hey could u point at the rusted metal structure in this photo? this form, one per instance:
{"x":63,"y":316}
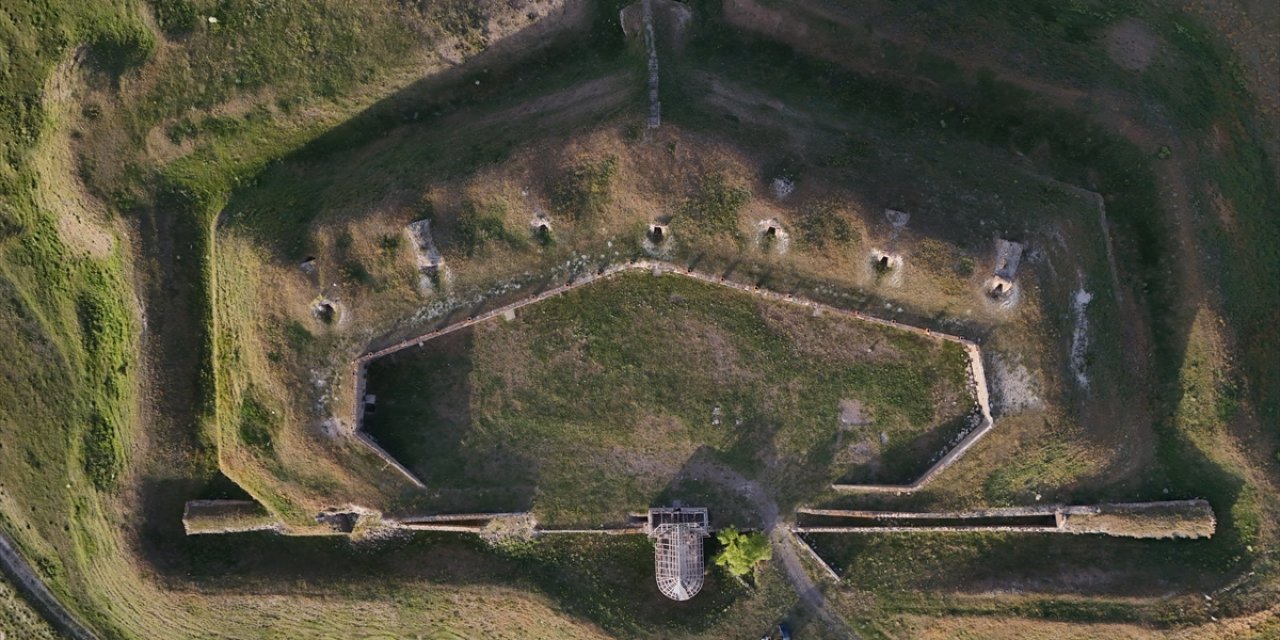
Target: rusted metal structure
{"x":677,"y":534}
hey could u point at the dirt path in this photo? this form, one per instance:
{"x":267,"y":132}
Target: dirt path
{"x":780,"y":538}
{"x":15,"y":567}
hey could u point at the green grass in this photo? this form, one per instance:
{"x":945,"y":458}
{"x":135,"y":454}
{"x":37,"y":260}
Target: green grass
{"x":331,"y":175}
{"x":18,"y":620}
{"x":65,"y":423}
{"x":620,"y":380}
{"x":609,"y":580}
{"x":584,"y":193}
{"x":480,"y":225}
{"x":69,"y":332}
{"x":37,"y":33}
{"x":714,"y":208}
{"x":70,"y":336}
{"x":947,"y":563}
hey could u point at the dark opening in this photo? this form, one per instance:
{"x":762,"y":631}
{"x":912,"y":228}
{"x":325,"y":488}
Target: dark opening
{"x":433,"y":275}
{"x":370,"y":408}
{"x":308,"y":258}
{"x":772,"y":232}
{"x":325,"y":312}
{"x":998,"y":290}
{"x":542,"y":233}
{"x":655,"y":234}
{"x":884,"y":262}
{"x":340,"y":522}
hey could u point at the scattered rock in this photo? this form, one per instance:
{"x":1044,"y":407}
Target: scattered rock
{"x":851,"y":413}
{"x":1131,"y":45}
{"x":782,"y":187}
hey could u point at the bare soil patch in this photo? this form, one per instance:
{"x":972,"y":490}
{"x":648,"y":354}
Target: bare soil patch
{"x":1131,"y":45}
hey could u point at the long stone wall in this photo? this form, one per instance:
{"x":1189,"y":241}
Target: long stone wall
{"x":651,"y":43}
{"x":1162,"y":519}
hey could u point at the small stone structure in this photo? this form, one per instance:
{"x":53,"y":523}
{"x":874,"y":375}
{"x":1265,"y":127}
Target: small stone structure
{"x":782,"y":187}
{"x":308,"y":267}
{"x":657,"y":240}
{"x":770,"y":236}
{"x":541,"y":227}
{"x":884,"y":261}
{"x":897,"y":219}
{"x":431,"y":268}
{"x":326,"y":311}
{"x":1008,"y":257}
{"x":201,"y":517}
{"x":677,"y":534}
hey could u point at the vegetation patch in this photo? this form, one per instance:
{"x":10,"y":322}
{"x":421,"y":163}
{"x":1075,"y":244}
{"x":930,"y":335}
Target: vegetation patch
{"x":741,"y":553}
{"x":714,"y":208}
{"x":257,"y":425}
{"x":584,"y":193}
{"x":479,"y":226}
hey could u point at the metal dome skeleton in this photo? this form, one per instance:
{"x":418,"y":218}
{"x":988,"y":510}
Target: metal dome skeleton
{"x":677,"y":534}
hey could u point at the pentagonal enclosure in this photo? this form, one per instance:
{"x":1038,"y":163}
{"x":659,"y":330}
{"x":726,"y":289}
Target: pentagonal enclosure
{"x":621,"y":393}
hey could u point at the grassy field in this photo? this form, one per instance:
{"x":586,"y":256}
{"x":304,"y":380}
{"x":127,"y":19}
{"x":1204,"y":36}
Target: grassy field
{"x":627,"y":380}
{"x":126,"y":126}
{"x":18,"y":619}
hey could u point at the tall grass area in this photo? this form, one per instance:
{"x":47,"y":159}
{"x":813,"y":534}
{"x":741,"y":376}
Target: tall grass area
{"x":18,"y":619}
{"x":39,"y":33}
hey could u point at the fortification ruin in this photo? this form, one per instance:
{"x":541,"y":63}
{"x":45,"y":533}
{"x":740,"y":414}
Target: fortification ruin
{"x":203,"y":517}
{"x":1188,"y":519}
{"x":432,"y":272}
{"x":1008,"y":256}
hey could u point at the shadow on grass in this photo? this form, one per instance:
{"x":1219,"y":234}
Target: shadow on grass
{"x":423,"y":417}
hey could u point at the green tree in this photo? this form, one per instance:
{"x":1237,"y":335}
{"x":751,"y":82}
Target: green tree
{"x":742,"y":551}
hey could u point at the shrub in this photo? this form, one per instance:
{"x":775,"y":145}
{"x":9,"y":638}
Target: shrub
{"x":477,"y":226}
{"x":389,"y":244}
{"x":355,"y":273}
{"x":742,"y":551}
{"x":716,"y":205}
{"x":119,"y":46}
{"x":585,"y":192}
{"x":175,"y":17}
{"x":257,"y":427}
{"x":823,"y":222}
{"x":297,"y":336}
{"x":101,"y":455}
{"x":344,"y":241}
